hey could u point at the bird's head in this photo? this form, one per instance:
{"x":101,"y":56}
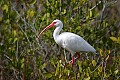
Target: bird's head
{"x":56,"y":23}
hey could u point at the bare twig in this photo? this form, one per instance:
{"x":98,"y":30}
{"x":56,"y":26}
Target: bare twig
{"x":34,"y":30}
{"x":101,"y":18}
{"x":20,"y":26}
{"x":94,"y":6}
{"x":97,"y":67}
{"x":8,"y":57}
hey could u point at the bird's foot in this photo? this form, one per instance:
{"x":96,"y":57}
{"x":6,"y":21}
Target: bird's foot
{"x":74,"y":59}
{"x":78,"y":56}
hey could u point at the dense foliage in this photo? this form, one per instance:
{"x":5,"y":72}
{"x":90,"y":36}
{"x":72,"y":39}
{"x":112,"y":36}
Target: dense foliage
{"x":22,"y":57}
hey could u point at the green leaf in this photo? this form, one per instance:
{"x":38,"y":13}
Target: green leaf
{"x":52,"y":62}
{"x":5,"y":8}
{"x":80,"y":66}
{"x":57,"y":71}
{"x":87,"y":78}
{"x":10,"y":40}
{"x":22,"y":62}
{"x":94,"y":63}
{"x":15,"y":39}
{"x":107,"y":58}
{"x":113,"y":38}
{"x":30,"y":13}
{"x":116,"y":71}
{"x":7,"y":21}
{"x":118,"y":40}
{"x":14,"y":33}
{"x":63,"y":11}
{"x":44,"y":65}
{"x":90,"y":13}
{"x":67,"y":71}
{"x":101,"y":52}
{"x":48,"y":75}
{"x":33,"y":2}
{"x":100,"y":69}
{"x":0,"y":18}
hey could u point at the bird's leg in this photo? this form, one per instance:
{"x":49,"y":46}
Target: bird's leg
{"x":78,"y":56}
{"x":87,"y":56}
{"x":65,"y":56}
{"x":73,"y":60}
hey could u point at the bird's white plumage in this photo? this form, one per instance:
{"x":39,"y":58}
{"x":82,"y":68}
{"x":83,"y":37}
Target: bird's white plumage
{"x":74,"y":43}
{"x":70,"y":41}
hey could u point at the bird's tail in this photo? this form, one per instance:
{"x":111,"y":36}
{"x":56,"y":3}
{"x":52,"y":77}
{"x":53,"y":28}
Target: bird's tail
{"x":96,"y":53}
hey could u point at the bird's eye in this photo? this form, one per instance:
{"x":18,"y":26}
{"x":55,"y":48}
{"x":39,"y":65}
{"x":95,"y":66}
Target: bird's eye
{"x":55,"y":22}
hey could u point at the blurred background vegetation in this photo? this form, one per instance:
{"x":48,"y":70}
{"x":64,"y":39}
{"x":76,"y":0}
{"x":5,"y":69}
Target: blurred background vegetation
{"x":24,"y":58}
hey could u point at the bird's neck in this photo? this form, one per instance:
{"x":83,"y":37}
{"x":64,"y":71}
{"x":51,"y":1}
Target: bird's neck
{"x":57,"y":33}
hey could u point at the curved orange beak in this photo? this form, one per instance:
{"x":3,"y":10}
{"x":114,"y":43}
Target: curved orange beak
{"x":49,"y":26}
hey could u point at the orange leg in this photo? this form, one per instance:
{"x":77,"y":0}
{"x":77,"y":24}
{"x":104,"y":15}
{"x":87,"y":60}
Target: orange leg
{"x":78,"y":56}
{"x":74,"y":59}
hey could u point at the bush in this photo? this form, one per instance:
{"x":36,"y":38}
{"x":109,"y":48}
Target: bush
{"x":23,"y":57}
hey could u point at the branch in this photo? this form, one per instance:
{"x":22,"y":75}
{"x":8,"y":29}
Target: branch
{"x":33,"y":29}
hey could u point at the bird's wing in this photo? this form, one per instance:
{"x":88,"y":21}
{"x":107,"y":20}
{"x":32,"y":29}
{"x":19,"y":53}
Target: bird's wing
{"x":74,"y":43}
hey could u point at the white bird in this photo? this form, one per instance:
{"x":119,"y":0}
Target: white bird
{"x":70,"y":41}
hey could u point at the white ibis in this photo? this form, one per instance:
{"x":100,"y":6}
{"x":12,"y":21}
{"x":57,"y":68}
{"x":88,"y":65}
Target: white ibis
{"x":70,"y":41}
